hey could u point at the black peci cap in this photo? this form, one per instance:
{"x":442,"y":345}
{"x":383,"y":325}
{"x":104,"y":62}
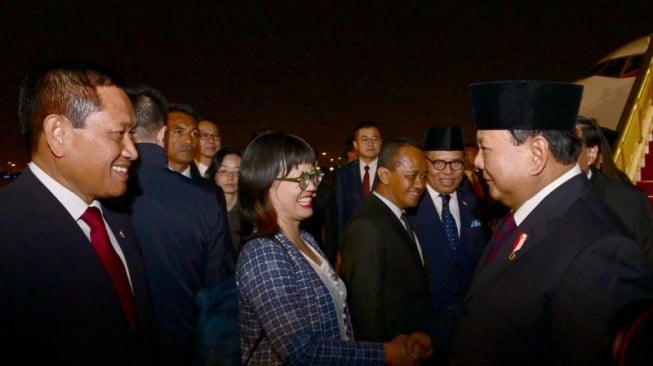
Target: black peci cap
{"x":525,"y":105}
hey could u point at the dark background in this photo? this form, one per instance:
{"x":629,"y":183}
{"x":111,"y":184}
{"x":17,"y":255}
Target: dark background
{"x":314,"y":68}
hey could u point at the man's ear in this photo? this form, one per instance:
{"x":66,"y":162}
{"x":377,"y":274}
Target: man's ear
{"x":540,"y":154}
{"x":55,"y":130}
{"x":161,"y":137}
{"x":383,"y":175}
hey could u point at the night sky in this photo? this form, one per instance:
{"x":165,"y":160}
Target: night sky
{"x":315,"y":68}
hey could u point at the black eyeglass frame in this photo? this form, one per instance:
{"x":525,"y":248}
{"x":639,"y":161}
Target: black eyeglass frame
{"x":305,"y":179}
{"x":443,"y":164}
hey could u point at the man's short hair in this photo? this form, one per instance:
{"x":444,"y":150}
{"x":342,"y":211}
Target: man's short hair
{"x":389,"y":156}
{"x":65,"y":87}
{"x":364,"y":124}
{"x":183,"y":108}
{"x":150,"y":107}
{"x":564,"y":145}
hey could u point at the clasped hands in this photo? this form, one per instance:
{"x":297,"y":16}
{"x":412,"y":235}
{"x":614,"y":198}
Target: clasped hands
{"x":408,"y":349}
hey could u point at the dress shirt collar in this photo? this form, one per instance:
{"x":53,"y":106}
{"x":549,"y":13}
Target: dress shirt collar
{"x":522,"y":212}
{"x":72,"y":202}
{"x":395,"y":209}
{"x":185,"y":173}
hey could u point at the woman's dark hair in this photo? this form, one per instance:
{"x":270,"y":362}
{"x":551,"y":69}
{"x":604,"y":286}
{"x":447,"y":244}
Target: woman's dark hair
{"x":266,"y":158}
{"x":219,"y":157}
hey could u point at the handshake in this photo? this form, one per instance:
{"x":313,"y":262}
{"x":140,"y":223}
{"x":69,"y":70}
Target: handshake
{"x":409,"y":349}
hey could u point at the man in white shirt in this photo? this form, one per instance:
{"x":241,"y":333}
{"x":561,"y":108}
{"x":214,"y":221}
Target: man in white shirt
{"x":210,"y":143}
{"x":558,"y":268}
{"x":73,"y":282}
{"x":181,"y":139}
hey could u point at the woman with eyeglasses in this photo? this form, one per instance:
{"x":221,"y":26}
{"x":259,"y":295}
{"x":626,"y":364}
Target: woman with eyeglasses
{"x":292,"y":304}
{"x":225,"y":171}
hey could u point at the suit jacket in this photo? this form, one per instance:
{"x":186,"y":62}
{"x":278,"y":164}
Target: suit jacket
{"x":346,"y":197}
{"x":551,"y":303}
{"x":182,"y":229}
{"x":58,"y":303}
{"x":449,"y":278}
{"x":631,"y":206}
{"x":388,"y":289}
{"x":284,"y":301}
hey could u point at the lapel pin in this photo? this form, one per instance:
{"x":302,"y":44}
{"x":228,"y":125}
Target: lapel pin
{"x":122,"y":235}
{"x":519,"y":242}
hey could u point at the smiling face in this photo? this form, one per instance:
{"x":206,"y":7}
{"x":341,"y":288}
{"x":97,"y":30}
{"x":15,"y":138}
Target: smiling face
{"x":290,"y":202}
{"x":404,"y":185}
{"x":505,"y":166}
{"x":97,"y":157}
{"x":447,"y":180}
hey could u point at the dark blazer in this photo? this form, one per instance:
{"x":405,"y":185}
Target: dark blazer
{"x":58,"y":303}
{"x":346,"y":196}
{"x":550,"y":305}
{"x":182,"y":229}
{"x":631,"y":206}
{"x":387,"y":285}
{"x":449,"y":279}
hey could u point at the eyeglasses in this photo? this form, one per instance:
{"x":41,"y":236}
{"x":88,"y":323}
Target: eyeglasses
{"x":305,"y":179}
{"x":225,"y":173}
{"x":370,"y":141}
{"x":441,"y":164}
{"x":208,"y":136}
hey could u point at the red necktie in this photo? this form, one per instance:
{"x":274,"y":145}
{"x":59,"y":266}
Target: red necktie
{"x":366,"y":181}
{"x":505,"y":229}
{"x":111,"y":262}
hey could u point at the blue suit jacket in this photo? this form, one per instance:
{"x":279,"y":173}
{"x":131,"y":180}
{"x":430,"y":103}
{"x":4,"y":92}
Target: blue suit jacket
{"x":282,"y":298}
{"x":182,"y":228}
{"x":449,"y":279}
{"x":346,"y":197}
{"x":58,"y":303}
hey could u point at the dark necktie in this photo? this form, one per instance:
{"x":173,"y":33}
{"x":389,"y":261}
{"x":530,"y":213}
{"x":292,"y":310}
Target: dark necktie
{"x":449,"y":223}
{"x":409,"y":228}
{"x":366,"y":181}
{"x":111,"y":262}
{"x":506,"y":228}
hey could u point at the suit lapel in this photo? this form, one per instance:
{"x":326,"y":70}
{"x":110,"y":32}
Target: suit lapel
{"x":398,"y":226}
{"x":535,"y":227}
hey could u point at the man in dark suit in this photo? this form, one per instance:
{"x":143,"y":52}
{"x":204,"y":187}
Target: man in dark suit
{"x":383,"y":262}
{"x":73,"y":283}
{"x":629,"y":204}
{"x":351,"y":184}
{"x":558,"y":268}
{"x":181,"y":140}
{"x":445,"y":221}
{"x":180,"y":224}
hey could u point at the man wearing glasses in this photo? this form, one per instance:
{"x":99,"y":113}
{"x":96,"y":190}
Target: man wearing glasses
{"x":445,"y":221}
{"x":210,"y":144}
{"x":352,"y":183}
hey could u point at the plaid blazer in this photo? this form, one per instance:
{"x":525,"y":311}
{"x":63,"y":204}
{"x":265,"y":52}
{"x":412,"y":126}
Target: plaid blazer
{"x":281,"y":297}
